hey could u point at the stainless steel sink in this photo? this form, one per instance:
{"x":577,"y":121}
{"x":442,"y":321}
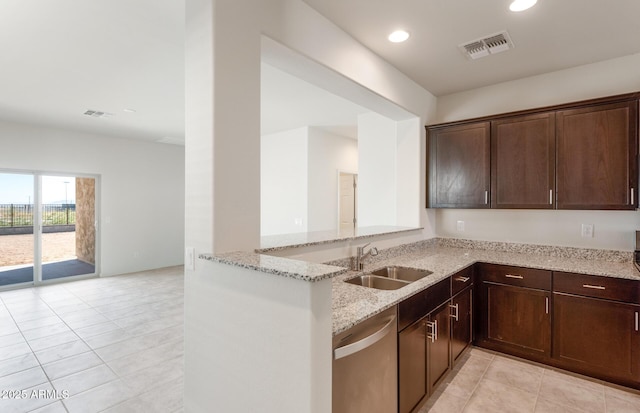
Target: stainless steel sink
{"x":401,"y":273}
{"x":377,"y":282}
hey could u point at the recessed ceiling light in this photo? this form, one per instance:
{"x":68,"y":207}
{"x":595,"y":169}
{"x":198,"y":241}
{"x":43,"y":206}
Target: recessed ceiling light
{"x":398,"y":36}
{"x":130,"y":110}
{"x":520,"y":5}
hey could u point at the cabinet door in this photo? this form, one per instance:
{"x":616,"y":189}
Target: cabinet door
{"x":438,"y":340}
{"x":412,"y":373}
{"x":596,"y":156}
{"x":523,"y":162}
{"x":461,"y":322}
{"x":597,"y":336}
{"x":460,"y":166}
{"x":518,"y":320}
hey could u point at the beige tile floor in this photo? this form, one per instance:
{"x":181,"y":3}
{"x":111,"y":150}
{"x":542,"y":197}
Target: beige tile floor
{"x":485,"y":381}
{"x":115,"y":345}
{"x":111,"y":344}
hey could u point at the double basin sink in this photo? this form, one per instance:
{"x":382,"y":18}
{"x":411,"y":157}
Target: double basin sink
{"x":389,"y":278}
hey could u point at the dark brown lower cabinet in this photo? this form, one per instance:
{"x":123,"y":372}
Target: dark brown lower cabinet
{"x":518,"y":318}
{"x":438,"y":341}
{"x":514,"y":311}
{"x":412,"y":365}
{"x":597,"y":337}
{"x":461,"y":323}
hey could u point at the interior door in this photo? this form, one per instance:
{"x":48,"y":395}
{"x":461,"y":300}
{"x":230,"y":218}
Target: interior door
{"x":347,"y":196}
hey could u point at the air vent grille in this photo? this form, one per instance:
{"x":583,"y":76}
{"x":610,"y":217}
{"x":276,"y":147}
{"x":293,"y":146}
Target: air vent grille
{"x":487,"y":45}
{"x":98,"y":114}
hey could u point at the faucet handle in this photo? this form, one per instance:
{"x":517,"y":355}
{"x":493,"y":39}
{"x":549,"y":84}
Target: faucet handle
{"x":374,"y":251}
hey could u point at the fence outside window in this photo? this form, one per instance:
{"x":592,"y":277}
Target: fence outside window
{"x":21,"y":215}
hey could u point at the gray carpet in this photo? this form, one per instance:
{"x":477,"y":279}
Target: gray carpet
{"x":49,"y":272}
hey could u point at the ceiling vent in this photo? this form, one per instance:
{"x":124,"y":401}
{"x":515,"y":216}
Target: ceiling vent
{"x":485,"y":46}
{"x":98,"y":114}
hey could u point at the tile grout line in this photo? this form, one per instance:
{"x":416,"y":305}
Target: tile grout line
{"x":33,"y":352}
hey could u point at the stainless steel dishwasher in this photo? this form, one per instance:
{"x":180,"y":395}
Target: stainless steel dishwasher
{"x":365,"y":366}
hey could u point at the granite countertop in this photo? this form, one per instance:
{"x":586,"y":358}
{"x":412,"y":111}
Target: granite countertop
{"x":353,"y":304}
{"x":285,"y":267}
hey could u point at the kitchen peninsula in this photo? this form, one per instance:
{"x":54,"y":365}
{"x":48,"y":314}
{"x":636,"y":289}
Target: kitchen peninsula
{"x":296,"y":307}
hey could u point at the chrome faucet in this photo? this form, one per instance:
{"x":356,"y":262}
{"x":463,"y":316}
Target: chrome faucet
{"x":361,"y":255}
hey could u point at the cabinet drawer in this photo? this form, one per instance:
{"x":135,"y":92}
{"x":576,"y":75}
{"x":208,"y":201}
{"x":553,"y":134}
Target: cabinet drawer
{"x":517,"y":276}
{"x":461,"y":280}
{"x":616,"y":289}
{"x":422,"y":303}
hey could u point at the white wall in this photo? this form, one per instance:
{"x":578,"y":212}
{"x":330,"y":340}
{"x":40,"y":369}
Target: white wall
{"x":328,"y":154}
{"x":409,"y":173}
{"x":256,"y":342}
{"x":610,"y":77}
{"x":377,"y":170}
{"x":141,"y":189}
{"x":612,"y":229}
{"x":284,"y":169}
{"x":223,"y":46}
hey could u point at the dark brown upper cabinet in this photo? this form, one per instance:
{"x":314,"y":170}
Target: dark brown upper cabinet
{"x":580,"y":155}
{"x":597,"y":157}
{"x":523,"y":162}
{"x":460,"y":166}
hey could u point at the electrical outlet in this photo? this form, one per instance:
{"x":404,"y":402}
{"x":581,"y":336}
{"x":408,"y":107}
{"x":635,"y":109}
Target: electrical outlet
{"x":190,"y":258}
{"x":587,"y":230}
{"x":460,"y":226}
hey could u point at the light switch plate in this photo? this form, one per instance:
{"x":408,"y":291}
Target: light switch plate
{"x":460,"y":226}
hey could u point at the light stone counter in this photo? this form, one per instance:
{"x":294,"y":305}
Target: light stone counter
{"x":285,"y":267}
{"x":353,"y":304}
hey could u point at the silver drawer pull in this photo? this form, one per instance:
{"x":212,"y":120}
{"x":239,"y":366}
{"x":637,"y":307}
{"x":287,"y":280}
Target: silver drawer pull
{"x":546,"y":305}
{"x":636,"y":321}
{"x":457,"y":309}
{"x":594,"y":287}
{"x":518,"y":277}
{"x":433,"y":325}
{"x":462,"y":279}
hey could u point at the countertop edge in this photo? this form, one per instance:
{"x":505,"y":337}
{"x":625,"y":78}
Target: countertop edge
{"x":285,"y":267}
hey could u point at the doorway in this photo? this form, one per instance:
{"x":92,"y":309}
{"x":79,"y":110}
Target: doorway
{"x":347,"y":201}
{"x":47,"y":227}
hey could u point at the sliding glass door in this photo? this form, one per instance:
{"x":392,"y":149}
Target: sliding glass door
{"x":62,"y":243}
{"x":17,"y":241}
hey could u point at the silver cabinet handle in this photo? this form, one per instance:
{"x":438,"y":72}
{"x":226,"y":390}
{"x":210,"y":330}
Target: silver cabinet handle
{"x":633,"y":198}
{"x":594,"y":287}
{"x":455,"y":307}
{"x":486,"y":197}
{"x":636,"y":321}
{"x":518,"y":277}
{"x":462,"y":279}
{"x":550,"y":196}
{"x":546,"y":305}
{"x":368,"y":341}
{"x":433,"y":325}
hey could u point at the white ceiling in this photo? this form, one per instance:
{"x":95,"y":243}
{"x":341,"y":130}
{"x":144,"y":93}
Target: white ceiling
{"x":553,"y":35}
{"x":60,"y":58}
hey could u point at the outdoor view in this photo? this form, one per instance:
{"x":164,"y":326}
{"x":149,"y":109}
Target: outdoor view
{"x":67,"y":235}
